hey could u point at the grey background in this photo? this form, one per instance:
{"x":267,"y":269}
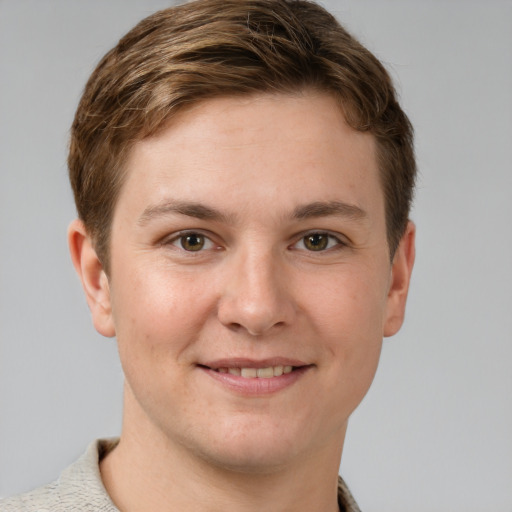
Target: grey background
{"x":435,"y":431}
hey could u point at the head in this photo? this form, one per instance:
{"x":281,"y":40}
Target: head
{"x":182,"y":56}
{"x":243,"y":175}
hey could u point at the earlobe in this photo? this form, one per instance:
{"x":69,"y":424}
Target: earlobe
{"x":94,"y":280}
{"x":403,"y":263}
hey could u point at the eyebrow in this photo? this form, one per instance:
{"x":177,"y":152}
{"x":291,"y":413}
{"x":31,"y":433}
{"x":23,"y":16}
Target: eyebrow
{"x":329,"y":208}
{"x":203,"y":212}
{"x":190,"y":209}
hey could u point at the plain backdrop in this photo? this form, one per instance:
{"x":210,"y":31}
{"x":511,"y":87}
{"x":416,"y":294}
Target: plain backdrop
{"x":435,"y":431}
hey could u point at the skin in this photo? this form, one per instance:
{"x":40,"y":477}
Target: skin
{"x":271,"y":171}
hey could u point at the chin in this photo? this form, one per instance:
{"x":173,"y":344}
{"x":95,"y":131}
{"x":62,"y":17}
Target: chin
{"x":251,"y":448}
{"x":248,"y":458}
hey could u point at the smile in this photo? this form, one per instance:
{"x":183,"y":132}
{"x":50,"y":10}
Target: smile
{"x":256,"y":378}
{"x":257,"y":373}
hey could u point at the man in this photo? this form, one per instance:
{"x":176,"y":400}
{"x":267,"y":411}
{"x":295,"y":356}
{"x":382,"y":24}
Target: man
{"x":243,"y":176}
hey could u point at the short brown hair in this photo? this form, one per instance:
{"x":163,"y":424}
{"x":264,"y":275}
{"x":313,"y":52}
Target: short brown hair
{"x":209,"y":48}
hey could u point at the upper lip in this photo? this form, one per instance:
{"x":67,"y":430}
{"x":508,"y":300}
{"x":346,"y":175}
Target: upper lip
{"x":252,"y":363}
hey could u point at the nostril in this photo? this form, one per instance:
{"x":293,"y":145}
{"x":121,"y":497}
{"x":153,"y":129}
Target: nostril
{"x":252,"y":330}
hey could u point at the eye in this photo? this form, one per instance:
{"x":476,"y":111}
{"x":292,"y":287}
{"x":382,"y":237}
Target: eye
{"x":192,"y":242}
{"x":318,"y":242}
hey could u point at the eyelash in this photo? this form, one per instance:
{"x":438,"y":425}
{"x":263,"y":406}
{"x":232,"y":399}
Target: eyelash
{"x":332,"y":242}
{"x":179,"y":239}
{"x":330,"y":238}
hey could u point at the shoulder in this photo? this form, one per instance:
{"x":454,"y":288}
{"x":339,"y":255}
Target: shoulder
{"x":38,"y":500}
{"x":79,"y":488}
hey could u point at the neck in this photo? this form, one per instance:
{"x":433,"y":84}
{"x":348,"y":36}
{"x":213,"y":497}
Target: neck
{"x":168,"y":477}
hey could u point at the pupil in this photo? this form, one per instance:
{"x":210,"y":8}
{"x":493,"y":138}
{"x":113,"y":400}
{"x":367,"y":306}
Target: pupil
{"x":192,"y":242}
{"x":316,"y":242}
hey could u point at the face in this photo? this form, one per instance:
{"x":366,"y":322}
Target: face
{"x":250,"y":283}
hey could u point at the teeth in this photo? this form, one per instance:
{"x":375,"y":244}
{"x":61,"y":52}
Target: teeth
{"x":265,"y":373}
{"x":249,"y":373}
{"x":261,"y":373}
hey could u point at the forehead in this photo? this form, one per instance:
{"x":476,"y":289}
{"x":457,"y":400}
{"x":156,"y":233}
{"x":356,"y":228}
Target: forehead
{"x":288,"y":149}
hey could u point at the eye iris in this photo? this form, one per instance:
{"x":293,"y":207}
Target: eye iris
{"x":192,"y":242}
{"x":316,"y":242}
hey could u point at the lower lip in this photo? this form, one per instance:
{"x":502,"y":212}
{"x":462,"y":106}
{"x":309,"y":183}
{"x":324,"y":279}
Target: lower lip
{"x":257,"y":386}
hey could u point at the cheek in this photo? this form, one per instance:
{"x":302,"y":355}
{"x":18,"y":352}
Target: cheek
{"x":157,"y":314}
{"x":156,"y":325}
{"x":350,"y":305}
{"x":349,"y":317}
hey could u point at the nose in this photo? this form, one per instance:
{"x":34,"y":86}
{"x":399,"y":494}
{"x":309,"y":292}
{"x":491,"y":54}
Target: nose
{"x":256,"y":296}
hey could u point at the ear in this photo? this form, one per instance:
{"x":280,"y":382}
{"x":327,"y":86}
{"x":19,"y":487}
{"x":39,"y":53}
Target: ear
{"x":401,"y":269}
{"x":94,"y":280}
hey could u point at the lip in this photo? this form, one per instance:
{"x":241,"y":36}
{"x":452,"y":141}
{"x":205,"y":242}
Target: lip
{"x":255,"y":386}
